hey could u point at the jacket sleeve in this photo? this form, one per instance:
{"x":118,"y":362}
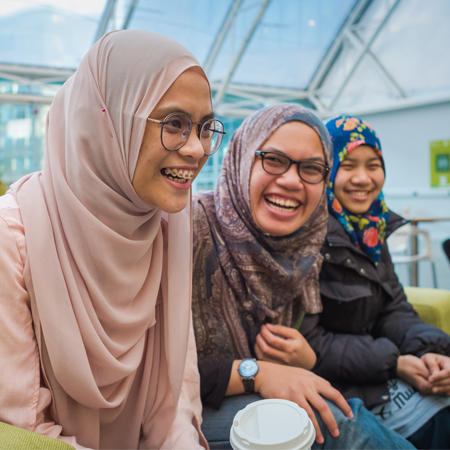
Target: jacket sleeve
{"x":344,"y":357}
{"x":214,"y":378}
{"x":24,"y":402}
{"x":403,"y":326}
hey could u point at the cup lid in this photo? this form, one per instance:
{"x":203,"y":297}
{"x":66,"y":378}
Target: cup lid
{"x":272,"y":424}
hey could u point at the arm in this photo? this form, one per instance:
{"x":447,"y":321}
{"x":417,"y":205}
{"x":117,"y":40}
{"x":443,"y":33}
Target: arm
{"x":185,"y":430}
{"x":23,"y":401}
{"x":347,"y":357}
{"x":214,"y":377}
{"x":297,"y":385}
{"x":402,"y":325}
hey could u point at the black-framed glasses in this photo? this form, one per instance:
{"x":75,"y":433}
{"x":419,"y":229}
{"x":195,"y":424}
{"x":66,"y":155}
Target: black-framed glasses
{"x":311,"y":172}
{"x":176,"y":129}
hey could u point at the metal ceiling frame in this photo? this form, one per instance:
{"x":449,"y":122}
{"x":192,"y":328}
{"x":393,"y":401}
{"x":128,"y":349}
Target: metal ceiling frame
{"x":32,"y":76}
{"x":221,"y":91}
{"x":246,"y":98}
{"x":333,"y":52}
{"x":108,"y":13}
{"x":220,"y":37}
{"x":362,"y":53}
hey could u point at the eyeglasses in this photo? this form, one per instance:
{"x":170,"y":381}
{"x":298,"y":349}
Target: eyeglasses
{"x":176,"y":129}
{"x":309,"y":171}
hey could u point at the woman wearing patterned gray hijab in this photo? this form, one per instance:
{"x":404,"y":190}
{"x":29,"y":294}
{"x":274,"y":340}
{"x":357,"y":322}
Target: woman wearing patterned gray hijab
{"x":257,"y":241}
{"x":269,"y":279}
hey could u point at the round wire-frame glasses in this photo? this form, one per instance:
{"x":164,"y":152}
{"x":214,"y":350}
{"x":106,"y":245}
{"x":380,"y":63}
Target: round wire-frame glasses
{"x":311,"y":172}
{"x":176,"y":129}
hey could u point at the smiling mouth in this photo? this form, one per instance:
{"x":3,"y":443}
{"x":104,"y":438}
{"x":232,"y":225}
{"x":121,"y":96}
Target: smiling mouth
{"x":178,"y":175}
{"x":358,"y":193}
{"x":283,"y":205}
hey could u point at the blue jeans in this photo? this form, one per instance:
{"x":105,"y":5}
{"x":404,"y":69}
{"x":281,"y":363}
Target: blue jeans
{"x":362,"y":432}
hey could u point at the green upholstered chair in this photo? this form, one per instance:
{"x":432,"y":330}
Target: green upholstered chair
{"x":14,"y":438}
{"x":432,"y":305}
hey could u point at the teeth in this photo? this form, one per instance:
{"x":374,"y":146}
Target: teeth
{"x":184,"y":174}
{"x":285,"y":203}
{"x":279,"y":208}
{"x":178,"y":180}
{"x":359,"y":193}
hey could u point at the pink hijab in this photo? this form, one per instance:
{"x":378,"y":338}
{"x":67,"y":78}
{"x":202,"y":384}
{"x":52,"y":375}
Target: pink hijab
{"x":108,"y":274}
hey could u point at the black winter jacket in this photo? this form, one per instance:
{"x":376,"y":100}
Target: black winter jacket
{"x":366,"y":323}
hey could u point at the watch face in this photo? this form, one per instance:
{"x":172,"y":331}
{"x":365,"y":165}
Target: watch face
{"x":248,"y":368}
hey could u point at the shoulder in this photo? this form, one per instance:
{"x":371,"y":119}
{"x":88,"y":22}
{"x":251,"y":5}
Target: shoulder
{"x":203,"y":208}
{"x":11,"y":224}
{"x":336,"y":233}
{"x":202,"y":200}
{"x":395,"y":221}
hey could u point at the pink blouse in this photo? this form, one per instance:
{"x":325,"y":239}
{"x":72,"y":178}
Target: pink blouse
{"x":24,"y":400}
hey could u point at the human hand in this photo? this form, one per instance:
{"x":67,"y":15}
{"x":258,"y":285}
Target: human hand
{"x":413,"y":370}
{"x":439,"y":368}
{"x":284,"y":345}
{"x":304,"y":388}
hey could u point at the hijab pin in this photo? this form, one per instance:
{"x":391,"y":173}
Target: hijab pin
{"x":103,"y":109}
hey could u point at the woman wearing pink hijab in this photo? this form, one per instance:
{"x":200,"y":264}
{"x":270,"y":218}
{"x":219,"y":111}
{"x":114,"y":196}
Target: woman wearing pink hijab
{"x":96,"y":346}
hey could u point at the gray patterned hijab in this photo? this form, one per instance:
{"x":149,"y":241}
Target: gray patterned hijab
{"x":243,"y":277}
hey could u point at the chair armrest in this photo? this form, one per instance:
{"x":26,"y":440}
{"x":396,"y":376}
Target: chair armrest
{"x":432,"y":305}
{"x":15,"y":438}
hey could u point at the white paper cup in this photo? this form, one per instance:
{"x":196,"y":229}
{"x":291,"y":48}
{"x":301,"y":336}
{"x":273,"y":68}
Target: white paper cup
{"x":272,"y":424}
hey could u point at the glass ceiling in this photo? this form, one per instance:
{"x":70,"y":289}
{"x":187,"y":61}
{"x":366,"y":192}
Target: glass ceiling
{"x":289,"y":42}
{"x":334,"y":56}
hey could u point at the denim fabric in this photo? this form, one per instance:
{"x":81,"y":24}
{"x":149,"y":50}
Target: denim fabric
{"x":363,"y":432}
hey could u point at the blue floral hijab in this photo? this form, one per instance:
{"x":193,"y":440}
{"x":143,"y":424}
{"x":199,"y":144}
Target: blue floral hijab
{"x":367,"y":231}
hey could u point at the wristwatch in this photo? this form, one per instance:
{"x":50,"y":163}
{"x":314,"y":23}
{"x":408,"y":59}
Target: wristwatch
{"x":248,"y":369}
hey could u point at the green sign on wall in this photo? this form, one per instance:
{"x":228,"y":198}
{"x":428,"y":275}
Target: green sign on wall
{"x":440,"y":163}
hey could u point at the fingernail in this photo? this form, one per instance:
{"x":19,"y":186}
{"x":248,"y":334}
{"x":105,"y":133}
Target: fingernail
{"x":320,"y":439}
{"x":351,"y":415}
{"x":335,"y":433}
{"x":435,"y":390}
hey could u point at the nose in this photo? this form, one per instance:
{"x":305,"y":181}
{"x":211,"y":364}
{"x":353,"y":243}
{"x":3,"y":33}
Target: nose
{"x":193,"y":147}
{"x":360,"y":176}
{"x":290,"y":179}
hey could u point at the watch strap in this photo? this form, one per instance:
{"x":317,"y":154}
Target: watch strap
{"x":249,"y":384}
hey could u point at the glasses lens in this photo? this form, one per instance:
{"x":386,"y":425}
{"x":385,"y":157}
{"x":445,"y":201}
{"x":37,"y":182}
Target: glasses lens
{"x":312,"y":172}
{"x":275,"y":164}
{"x":176,"y":131}
{"x":211,"y":136}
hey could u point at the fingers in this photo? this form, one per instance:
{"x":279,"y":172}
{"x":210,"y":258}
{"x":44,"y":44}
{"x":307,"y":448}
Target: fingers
{"x":335,"y":396}
{"x":431,"y":362}
{"x":423,"y":385}
{"x":325,"y":413}
{"x":265,"y":353}
{"x":444,"y":391}
{"x":285,"y":332}
{"x":305,"y":405}
{"x":440,"y":378}
{"x":272,"y":340}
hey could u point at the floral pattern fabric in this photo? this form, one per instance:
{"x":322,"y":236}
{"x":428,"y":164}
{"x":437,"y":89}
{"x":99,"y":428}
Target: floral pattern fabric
{"x":367,"y":231}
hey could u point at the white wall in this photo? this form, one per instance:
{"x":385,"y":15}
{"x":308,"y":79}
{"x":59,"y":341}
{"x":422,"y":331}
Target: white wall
{"x":405,"y":138}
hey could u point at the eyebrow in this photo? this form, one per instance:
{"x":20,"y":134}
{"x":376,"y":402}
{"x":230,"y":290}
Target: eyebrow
{"x":164,"y":112}
{"x":274,"y":150}
{"x":375,"y":158}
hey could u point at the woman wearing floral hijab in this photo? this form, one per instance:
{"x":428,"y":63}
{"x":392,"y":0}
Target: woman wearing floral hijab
{"x":369,"y":341}
{"x":257,"y":241}
{"x":96,"y":346}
